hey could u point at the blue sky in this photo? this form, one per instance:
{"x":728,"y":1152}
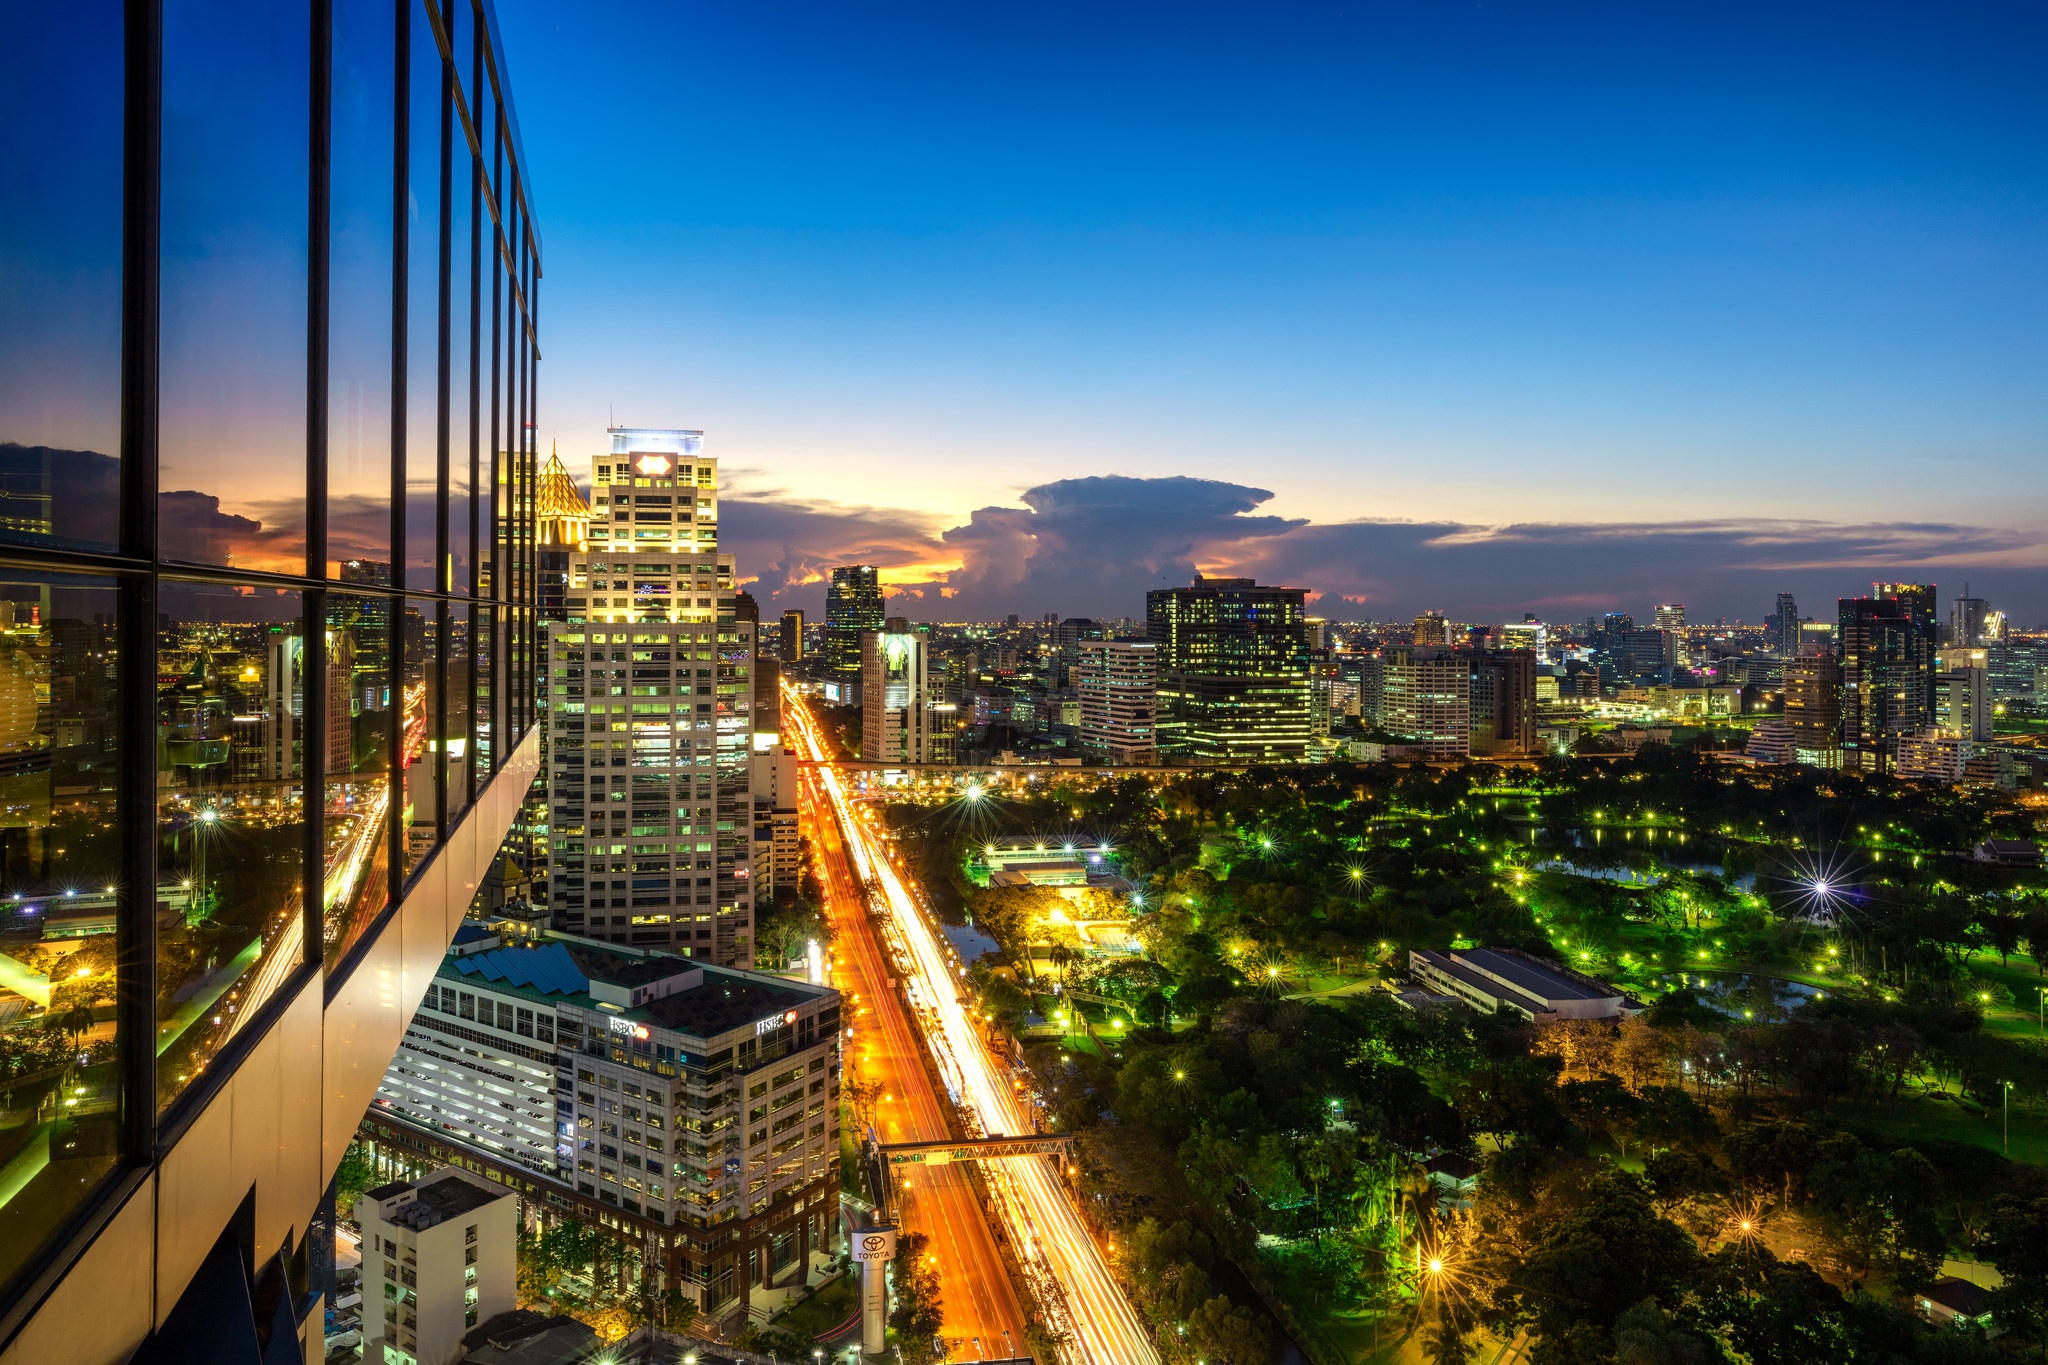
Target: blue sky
{"x":1678,"y":269}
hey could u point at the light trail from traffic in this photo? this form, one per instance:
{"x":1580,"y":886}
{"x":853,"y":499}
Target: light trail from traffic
{"x":1042,"y":1221}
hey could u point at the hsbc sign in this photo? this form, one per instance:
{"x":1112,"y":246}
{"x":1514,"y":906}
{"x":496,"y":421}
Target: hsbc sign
{"x":774,"y":1022}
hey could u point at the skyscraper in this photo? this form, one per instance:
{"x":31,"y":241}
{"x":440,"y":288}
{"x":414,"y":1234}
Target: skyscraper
{"x":1967,"y":617}
{"x":1233,"y":671}
{"x":1431,"y":628}
{"x":1119,"y":686}
{"x":790,"y":641}
{"x":251,"y":251}
{"x":1503,"y":711}
{"x":1785,"y":626}
{"x":1670,"y":616}
{"x":853,"y":607}
{"x":1813,"y":708}
{"x":650,"y":737}
{"x":896,"y":705}
{"x":1427,"y":699}
{"x":1887,"y":651}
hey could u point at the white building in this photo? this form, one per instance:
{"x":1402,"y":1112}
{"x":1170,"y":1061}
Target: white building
{"x":778,"y":828}
{"x":896,"y":698}
{"x":1119,"y":686}
{"x":1427,"y":698}
{"x":1962,"y":699}
{"x":657,"y":492}
{"x":1933,"y":756}
{"x":443,"y":1250}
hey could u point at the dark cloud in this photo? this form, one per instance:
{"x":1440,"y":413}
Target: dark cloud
{"x":791,"y":547}
{"x":1093,"y":546}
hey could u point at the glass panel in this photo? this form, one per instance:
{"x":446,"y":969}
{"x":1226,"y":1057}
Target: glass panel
{"x":490,"y":376}
{"x":461,"y":381}
{"x":359,"y":296}
{"x":60,"y":862}
{"x":426,"y":174}
{"x":358,"y":824}
{"x":482,"y":652}
{"x":419,"y":630}
{"x":462,"y":45}
{"x":60,"y":276}
{"x":233,"y":334}
{"x":456,"y":710}
{"x":230,"y":813}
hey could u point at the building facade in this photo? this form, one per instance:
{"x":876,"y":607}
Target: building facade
{"x":1427,"y":699}
{"x":1119,"y":686}
{"x":789,"y":641}
{"x":1233,"y":671}
{"x":1887,"y":645}
{"x":268,"y":376}
{"x":1813,"y":708}
{"x":896,"y":700}
{"x":853,"y":607}
{"x":694,"y":1109}
{"x":442,"y":1250}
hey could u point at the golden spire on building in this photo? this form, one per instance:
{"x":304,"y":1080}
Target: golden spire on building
{"x":563,"y":515}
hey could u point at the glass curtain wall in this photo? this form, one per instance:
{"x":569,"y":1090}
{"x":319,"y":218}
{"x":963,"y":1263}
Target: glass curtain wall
{"x":267,"y":362}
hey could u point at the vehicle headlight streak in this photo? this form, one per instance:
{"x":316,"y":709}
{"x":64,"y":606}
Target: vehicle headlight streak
{"x":1043,"y":1224}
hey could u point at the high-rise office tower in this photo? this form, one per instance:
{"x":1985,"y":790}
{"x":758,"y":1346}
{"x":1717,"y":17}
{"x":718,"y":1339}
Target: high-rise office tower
{"x":1967,"y":616}
{"x":853,"y":607}
{"x":1670,"y":616}
{"x":1431,"y":628}
{"x":562,"y":528}
{"x":1119,"y":685}
{"x":1503,"y":709}
{"x":1530,"y":634}
{"x":1785,"y":626}
{"x":1962,"y":693}
{"x":790,"y":640}
{"x":1887,"y":652}
{"x":896,"y":703}
{"x":251,"y":250}
{"x":1428,"y":699}
{"x":651,"y":729}
{"x":1813,"y":708}
{"x":1233,"y":671}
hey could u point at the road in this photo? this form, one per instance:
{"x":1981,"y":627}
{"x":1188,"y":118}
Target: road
{"x":1032,"y":1203}
{"x":983,"y":1320}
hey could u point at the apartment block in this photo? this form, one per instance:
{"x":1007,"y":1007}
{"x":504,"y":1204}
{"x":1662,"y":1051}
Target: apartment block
{"x":1119,"y":700}
{"x":442,"y":1249}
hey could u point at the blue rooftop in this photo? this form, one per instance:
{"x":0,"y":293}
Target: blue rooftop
{"x":550,"y":970}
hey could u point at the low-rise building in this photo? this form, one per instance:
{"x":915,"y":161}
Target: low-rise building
{"x":1490,"y":979}
{"x":444,"y":1251}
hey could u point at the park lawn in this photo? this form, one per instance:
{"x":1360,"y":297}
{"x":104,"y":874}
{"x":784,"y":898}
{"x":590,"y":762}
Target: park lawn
{"x":830,"y":1306}
{"x":1916,"y":1117}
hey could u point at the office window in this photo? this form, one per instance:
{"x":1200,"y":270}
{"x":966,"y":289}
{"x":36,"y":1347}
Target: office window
{"x":420,"y":812}
{"x":230,"y":813}
{"x":360,"y":733}
{"x":60,"y":277}
{"x":232,"y":367}
{"x":427,"y":148}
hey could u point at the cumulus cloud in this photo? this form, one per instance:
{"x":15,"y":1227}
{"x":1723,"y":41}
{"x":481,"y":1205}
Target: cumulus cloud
{"x":1093,"y":546}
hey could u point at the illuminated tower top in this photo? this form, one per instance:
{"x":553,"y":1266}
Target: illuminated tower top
{"x":657,"y":492}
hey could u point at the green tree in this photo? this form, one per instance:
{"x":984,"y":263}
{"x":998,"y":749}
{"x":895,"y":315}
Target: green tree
{"x":919,"y":1311}
{"x":351,"y":1178}
{"x":1599,"y":1258}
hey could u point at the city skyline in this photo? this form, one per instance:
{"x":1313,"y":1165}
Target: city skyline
{"x":1636,"y":277}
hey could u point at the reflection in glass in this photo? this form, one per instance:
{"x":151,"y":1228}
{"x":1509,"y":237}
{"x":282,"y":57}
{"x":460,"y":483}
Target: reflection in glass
{"x":461,"y":391}
{"x":233,"y":333}
{"x":482,"y":644}
{"x":357,"y":828}
{"x":455,"y":710}
{"x":60,"y":868}
{"x":60,"y":276}
{"x":419,"y":631}
{"x":359,"y":294}
{"x":231,"y":727}
{"x":425,"y":177}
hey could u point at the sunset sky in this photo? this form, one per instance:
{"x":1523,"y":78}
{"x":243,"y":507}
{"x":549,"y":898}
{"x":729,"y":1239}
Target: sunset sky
{"x":1490,"y":308}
